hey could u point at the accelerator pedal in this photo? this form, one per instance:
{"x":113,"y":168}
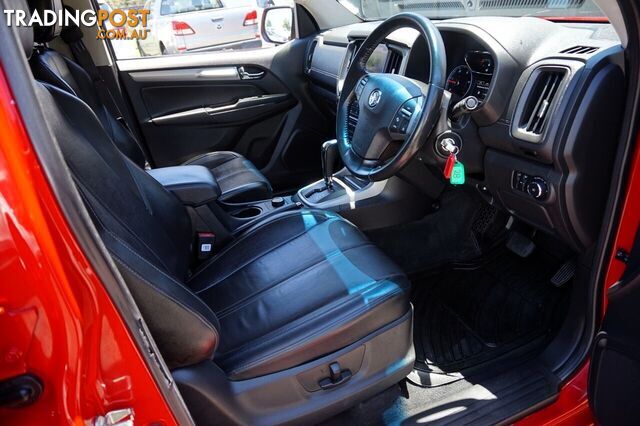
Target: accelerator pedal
{"x":565,"y":274}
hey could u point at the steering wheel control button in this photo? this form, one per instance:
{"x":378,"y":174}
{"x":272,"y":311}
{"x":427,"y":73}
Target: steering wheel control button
{"x":402,"y":119}
{"x":395,"y":125}
{"x":361,"y":86}
{"x":535,"y":186}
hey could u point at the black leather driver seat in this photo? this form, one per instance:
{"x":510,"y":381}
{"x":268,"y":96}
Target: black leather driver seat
{"x":258,"y":331}
{"x":238,"y":178}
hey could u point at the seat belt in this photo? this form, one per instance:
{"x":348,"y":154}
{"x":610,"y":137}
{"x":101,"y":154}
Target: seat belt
{"x":72,"y":36}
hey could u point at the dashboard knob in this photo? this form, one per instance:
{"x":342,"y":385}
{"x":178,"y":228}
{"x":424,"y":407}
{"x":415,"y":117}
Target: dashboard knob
{"x":538,"y":188}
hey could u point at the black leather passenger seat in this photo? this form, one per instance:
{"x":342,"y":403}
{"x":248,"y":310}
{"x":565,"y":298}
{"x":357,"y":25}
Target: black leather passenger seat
{"x":336,"y":285}
{"x":239,"y":179}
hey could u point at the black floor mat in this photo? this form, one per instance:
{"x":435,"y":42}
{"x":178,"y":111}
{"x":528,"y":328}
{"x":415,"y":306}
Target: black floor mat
{"x":467,"y":317}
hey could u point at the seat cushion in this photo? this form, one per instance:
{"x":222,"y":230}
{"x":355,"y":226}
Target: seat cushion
{"x":239,"y":180}
{"x":296,"y":287}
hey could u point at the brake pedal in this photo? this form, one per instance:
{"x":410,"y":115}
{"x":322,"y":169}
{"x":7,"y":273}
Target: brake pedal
{"x":565,"y":274}
{"x":520,"y":245}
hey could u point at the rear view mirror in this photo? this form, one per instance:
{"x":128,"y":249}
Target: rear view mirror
{"x":278,"y":24}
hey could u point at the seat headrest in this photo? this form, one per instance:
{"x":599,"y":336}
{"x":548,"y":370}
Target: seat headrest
{"x":46,"y":33}
{"x":24,"y":33}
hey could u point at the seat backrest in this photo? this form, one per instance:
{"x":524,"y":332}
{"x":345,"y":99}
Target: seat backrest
{"x":58,"y":70}
{"x":145,"y":228}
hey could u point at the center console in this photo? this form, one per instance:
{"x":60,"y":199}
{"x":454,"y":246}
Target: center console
{"x":369,"y":205}
{"x":198,"y":191}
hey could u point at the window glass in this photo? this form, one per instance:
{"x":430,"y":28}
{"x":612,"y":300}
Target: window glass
{"x":442,"y":9}
{"x":177,"y":27}
{"x":168,"y":7}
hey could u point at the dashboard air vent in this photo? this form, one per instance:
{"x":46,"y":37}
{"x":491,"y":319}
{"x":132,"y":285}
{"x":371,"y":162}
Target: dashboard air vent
{"x":579,"y":50}
{"x":539,"y":100}
{"x":309,"y":57}
{"x":531,"y":4}
{"x":394,"y":61}
{"x":352,"y":119}
{"x":431,"y":5}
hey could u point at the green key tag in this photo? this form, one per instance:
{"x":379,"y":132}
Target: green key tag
{"x":457,"y":174}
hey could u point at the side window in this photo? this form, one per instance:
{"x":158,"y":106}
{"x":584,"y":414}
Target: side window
{"x":170,"y":7}
{"x":178,"y":27}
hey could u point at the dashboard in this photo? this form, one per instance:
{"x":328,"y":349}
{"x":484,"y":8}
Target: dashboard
{"x":541,"y":144}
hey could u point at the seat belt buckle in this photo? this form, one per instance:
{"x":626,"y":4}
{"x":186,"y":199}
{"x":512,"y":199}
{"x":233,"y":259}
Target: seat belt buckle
{"x":205,"y":242}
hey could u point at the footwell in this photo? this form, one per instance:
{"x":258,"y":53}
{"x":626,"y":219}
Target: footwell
{"x":467,"y":317}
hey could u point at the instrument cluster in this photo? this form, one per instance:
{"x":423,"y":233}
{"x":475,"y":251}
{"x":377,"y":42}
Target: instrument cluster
{"x":473,"y":78}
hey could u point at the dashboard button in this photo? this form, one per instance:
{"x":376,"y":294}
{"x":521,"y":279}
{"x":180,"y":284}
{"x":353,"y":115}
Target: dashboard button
{"x":538,"y":188}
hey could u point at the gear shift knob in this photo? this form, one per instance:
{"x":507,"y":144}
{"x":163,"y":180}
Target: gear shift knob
{"x":329,"y":157}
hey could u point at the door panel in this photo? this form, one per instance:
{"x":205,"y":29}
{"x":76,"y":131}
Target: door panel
{"x":614,"y":377}
{"x":254,"y":102}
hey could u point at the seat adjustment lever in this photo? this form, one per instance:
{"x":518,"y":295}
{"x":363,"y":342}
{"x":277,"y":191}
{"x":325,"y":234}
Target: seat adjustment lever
{"x":337,"y":376}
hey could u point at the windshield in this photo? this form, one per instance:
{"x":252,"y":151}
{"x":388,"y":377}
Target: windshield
{"x":441,"y":9}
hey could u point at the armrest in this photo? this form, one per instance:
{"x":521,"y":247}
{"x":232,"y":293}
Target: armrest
{"x":193,"y":185}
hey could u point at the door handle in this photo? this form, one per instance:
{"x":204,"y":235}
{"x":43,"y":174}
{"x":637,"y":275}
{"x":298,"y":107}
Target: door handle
{"x":244,"y":75}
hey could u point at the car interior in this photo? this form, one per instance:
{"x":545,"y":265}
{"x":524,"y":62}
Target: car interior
{"x":283,"y":223}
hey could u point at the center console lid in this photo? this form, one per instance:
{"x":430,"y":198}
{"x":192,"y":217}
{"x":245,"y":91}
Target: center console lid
{"x":193,"y":185}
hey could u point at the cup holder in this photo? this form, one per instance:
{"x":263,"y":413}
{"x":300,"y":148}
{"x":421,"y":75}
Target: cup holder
{"x":247,"y":212}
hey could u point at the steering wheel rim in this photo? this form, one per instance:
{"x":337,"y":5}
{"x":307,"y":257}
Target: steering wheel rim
{"x":365,"y":158}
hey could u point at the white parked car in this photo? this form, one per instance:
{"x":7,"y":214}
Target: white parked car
{"x":178,"y":26}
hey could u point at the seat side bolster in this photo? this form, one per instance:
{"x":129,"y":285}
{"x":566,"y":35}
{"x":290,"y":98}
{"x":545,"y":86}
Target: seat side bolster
{"x":185,"y":329}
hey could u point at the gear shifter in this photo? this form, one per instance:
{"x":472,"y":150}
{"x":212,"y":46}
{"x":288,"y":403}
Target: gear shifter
{"x":329,"y":157}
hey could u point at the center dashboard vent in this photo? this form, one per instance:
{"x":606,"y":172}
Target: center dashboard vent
{"x":394,"y":62}
{"x":579,"y":50}
{"x":537,"y":103}
{"x":531,"y":4}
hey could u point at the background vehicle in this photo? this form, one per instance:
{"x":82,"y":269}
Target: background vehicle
{"x":178,"y":26}
{"x":122,"y":48}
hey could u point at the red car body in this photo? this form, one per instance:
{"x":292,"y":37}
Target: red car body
{"x":65,"y":329}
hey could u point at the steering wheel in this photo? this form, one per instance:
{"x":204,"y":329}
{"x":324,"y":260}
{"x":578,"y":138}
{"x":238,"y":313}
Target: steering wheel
{"x":396,"y":113}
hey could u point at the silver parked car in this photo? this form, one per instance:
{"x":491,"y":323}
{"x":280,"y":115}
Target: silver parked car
{"x":178,"y":26}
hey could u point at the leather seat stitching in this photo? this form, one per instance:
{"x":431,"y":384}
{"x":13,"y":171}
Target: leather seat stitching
{"x":169,"y":277}
{"x":189,"y":310}
{"x":322,"y":259}
{"x":243,"y":367}
{"x":309,"y":317}
{"x":215,"y":154}
{"x":355,"y":313}
{"x":256,"y":257}
{"x":48,"y":69}
{"x":244,"y":236}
